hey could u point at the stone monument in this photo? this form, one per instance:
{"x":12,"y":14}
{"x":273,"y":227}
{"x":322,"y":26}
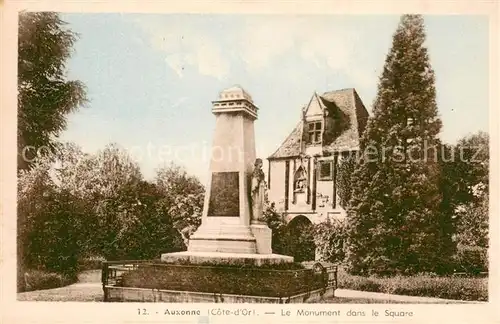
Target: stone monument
{"x":232,"y":229}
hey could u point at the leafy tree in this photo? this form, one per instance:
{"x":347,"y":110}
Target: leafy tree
{"x":45,"y":95}
{"x":108,"y":171}
{"x":142,"y":229}
{"x":54,"y":243}
{"x":395,"y":221}
{"x":184,"y":196}
{"x":31,"y":186}
{"x":473,"y":223}
{"x":465,"y":170}
{"x":465,"y":186}
{"x":112,"y":180}
{"x":107,"y":182}
{"x":50,"y":229}
{"x":128,"y":216}
{"x":68,"y":160}
{"x":476,"y":153}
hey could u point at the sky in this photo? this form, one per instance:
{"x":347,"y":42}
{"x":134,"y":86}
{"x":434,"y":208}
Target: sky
{"x":151,"y":77}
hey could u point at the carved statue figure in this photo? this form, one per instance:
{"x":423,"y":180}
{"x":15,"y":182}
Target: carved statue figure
{"x":258,"y":189}
{"x":300,"y":180}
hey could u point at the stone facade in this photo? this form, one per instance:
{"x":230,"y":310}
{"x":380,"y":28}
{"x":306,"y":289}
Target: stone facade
{"x":302,"y":172}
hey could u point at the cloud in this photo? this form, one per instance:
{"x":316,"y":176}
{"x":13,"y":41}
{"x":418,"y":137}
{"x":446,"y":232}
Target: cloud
{"x":176,"y":62}
{"x":257,"y":42}
{"x":186,"y":47}
{"x":262,"y":41}
{"x":210,"y":60}
{"x":321,"y":42}
{"x":179,"y":102}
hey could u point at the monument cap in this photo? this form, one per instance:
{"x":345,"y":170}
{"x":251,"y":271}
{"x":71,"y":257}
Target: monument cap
{"x":235,"y":92}
{"x":235,"y":100}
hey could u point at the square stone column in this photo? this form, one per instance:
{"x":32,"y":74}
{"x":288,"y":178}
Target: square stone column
{"x":225,"y":224}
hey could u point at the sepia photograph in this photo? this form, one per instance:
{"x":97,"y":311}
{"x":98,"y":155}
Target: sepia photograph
{"x":251,"y":158}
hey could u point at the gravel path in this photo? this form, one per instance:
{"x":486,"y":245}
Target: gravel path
{"x":87,"y":289}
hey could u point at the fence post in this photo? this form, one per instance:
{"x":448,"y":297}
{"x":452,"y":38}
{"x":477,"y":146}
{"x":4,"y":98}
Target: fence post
{"x":104,"y":279}
{"x":336,"y":279}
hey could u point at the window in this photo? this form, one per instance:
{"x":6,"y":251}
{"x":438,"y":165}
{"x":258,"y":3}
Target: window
{"x":325,"y":170}
{"x":314,"y":132}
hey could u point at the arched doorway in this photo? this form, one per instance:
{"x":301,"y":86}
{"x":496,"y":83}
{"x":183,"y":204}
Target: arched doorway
{"x":299,"y":239}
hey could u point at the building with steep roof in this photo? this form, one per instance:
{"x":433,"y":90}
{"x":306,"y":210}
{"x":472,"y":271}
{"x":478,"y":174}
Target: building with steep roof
{"x":302,"y":174}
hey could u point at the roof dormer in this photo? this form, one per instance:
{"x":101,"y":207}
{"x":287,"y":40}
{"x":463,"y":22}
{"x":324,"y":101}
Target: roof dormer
{"x":314,"y":110}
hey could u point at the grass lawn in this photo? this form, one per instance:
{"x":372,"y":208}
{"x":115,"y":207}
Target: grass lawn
{"x":457,"y":288}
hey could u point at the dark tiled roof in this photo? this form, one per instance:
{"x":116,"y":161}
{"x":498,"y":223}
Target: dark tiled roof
{"x":291,"y":146}
{"x":347,"y":107}
{"x":348,"y":140}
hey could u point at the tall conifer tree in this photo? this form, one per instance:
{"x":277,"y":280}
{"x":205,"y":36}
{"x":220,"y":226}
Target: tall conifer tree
{"x":395,"y":219}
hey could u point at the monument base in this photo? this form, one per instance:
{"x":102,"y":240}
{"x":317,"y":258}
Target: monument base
{"x":263,"y":238}
{"x":219,"y":235}
{"x":225,"y":258}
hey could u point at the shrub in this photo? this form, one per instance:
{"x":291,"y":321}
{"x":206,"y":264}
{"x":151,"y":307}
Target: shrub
{"x":298,"y":236}
{"x":90,"y":263}
{"x":295,"y":238}
{"x":471,"y":259}
{"x":38,"y":279}
{"x":330,"y":238}
{"x":440,"y":287}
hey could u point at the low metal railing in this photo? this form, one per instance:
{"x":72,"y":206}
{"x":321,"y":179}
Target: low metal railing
{"x":112,"y":271}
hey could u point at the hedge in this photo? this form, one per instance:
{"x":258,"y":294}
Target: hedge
{"x":38,"y":280}
{"x":245,"y":280}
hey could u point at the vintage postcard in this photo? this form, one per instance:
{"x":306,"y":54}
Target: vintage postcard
{"x":269,"y":161}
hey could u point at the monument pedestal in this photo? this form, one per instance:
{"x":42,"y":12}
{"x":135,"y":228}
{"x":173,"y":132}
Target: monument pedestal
{"x":263,"y":238}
